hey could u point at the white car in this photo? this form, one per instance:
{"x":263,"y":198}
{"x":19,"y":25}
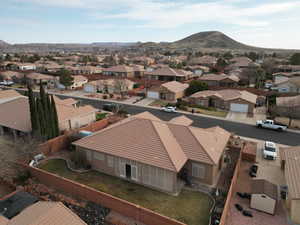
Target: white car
{"x":270,"y":150}
{"x":169,"y":109}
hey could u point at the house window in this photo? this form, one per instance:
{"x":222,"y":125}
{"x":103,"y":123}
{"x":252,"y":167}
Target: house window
{"x":99,"y":156}
{"x":134,"y":172}
{"x":198,"y":170}
{"x":110,"y":161}
{"x":122,"y":169}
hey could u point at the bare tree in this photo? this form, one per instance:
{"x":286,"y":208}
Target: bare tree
{"x":12,"y":151}
{"x":120,"y":86}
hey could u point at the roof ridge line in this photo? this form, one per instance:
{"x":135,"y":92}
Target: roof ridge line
{"x":209,"y":156}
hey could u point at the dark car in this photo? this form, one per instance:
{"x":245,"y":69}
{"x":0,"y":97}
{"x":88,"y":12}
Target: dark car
{"x":109,"y":107}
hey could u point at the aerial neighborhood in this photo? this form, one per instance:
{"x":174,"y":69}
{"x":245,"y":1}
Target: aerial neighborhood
{"x":200,"y":131}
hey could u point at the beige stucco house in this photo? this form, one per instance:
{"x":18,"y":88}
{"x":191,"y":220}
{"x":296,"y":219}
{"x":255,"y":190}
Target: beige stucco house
{"x":157,"y":154}
{"x":121,"y":71}
{"x":219,"y":80}
{"x":170,"y":91}
{"x":227,"y":99}
{"x":109,"y":86}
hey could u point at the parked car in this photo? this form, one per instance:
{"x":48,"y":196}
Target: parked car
{"x":6,"y":83}
{"x":110,"y":107}
{"x":169,"y":109}
{"x":270,"y":150}
{"x":269,"y":124}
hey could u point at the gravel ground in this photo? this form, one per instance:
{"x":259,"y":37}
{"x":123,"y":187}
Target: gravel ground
{"x":92,"y":214}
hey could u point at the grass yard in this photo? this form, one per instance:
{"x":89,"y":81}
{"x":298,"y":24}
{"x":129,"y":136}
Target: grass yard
{"x":101,"y":116}
{"x":210,"y":112}
{"x":189,"y":207}
{"x":159,"y":103}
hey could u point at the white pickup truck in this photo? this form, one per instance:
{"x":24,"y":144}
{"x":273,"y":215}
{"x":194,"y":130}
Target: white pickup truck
{"x":269,"y":124}
{"x":169,"y":109}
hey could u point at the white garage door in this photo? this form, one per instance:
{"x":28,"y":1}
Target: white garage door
{"x":153,"y":94}
{"x":89,"y":88}
{"x":234,"y":107}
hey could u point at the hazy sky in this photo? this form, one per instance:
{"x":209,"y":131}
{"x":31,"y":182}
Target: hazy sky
{"x":264,"y":23}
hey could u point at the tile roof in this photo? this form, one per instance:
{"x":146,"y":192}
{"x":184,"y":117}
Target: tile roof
{"x":291,"y":155}
{"x":46,"y":213}
{"x":79,"y":78}
{"x":175,"y":86}
{"x":3,"y":220}
{"x":8,"y":94}
{"x":181,"y":120}
{"x":162,"y":144}
{"x":167,"y":71}
{"x":39,"y":76}
{"x":15,"y":114}
{"x":119,"y":68}
{"x":11,"y":74}
{"x":227,"y":95}
{"x":218,"y":77}
{"x":261,"y":186}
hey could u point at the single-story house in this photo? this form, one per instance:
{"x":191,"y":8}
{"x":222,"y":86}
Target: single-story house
{"x":291,"y":102}
{"x":284,"y":76}
{"x":264,"y":196}
{"x":26,"y":66}
{"x":290,"y":164}
{"x":120,"y":71}
{"x":287,"y":68}
{"x":170,"y":91}
{"x":205,"y":60}
{"x":109,"y":86}
{"x":35,"y":78}
{"x":220,"y":80}
{"x":11,"y":76}
{"x":139,"y":71}
{"x":198,"y":70}
{"x":146,"y":150}
{"x":15,"y":114}
{"x":169,"y":74}
{"x":77,"y":70}
{"x":239,"y":63}
{"x":142,"y":60}
{"x":227,"y":99}
{"x":291,"y":85}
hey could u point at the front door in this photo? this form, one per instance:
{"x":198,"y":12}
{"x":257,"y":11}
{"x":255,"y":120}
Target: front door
{"x":128,"y":171}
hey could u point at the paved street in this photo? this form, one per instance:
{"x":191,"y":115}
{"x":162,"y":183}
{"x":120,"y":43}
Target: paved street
{"x":286,"y":138}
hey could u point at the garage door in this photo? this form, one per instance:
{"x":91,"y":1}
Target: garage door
{"x":89,"y":88}
{"x":234,"y":107}
{"x":153,"y":94}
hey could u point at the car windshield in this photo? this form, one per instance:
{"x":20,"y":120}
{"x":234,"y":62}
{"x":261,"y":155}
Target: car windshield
{"x":270,"y":149}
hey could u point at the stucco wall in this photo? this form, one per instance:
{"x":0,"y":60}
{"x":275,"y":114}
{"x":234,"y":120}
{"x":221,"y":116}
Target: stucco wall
{"x":295,"y":211}
{"x":264,"y":204}
{"x":150,"y":176}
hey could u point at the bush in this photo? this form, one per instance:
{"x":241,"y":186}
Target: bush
{"x":136,"y":86}
{"x":104,"y":96}
{"x":100,"y":116}
{"x":111,"y":95}
{"x":22,"y":177}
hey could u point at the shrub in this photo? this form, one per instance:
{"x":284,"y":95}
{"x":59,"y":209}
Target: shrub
{"x":111,"y":95}
{"x":136,"y":86}
{"x":104,"y":96}
{"x":100,"y":116}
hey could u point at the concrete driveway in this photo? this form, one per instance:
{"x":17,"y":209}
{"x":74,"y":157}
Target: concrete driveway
{"x":145,"y":101}
{"x":258,"y":114}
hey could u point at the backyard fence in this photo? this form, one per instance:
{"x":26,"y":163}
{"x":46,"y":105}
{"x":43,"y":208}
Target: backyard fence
{"x":81,"y":191}
{"x":231,"y":190}
{"x":62,"y":142}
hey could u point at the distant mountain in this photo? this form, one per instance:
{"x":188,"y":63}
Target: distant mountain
{"x":210,"y":39}
{"x":3,"y":43}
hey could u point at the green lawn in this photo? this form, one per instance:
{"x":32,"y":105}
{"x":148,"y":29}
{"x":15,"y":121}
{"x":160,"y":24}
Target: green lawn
{"x":101,"y":116}
{"x":189,"y":207}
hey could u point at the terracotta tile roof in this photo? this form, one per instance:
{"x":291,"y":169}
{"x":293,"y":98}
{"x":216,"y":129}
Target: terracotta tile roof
{"x":291,"y":155}
{"x":39,"y":76}
{"x":162,"y":144}
{"x":227,"y":95}
{"x":288,"y":101}
{"x":3,"y":220}
{"x":67,"y":101}
{"x":260,"y":186}
{"x":146,"y":115}
{"x":119,"y":69}
{"x":206,"y":59}
{"x":8,"y":94}
{"x":46,"y":213}
{"x":218,"y":77}
{"x":15,"y":114}
{"x":175,"y":86}
{"x":181,"y":120}
{"x":167,"y":71}
{"x":66,"y":112}
{"x":11,"y":74}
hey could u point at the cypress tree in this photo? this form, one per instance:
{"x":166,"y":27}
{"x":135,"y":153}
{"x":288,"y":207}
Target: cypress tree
{"x":55,"y":117}
{"x":37,"y":118}
{"x":49,"y":119}
{"x":32,"y":110}
{"x":43,"y":129}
